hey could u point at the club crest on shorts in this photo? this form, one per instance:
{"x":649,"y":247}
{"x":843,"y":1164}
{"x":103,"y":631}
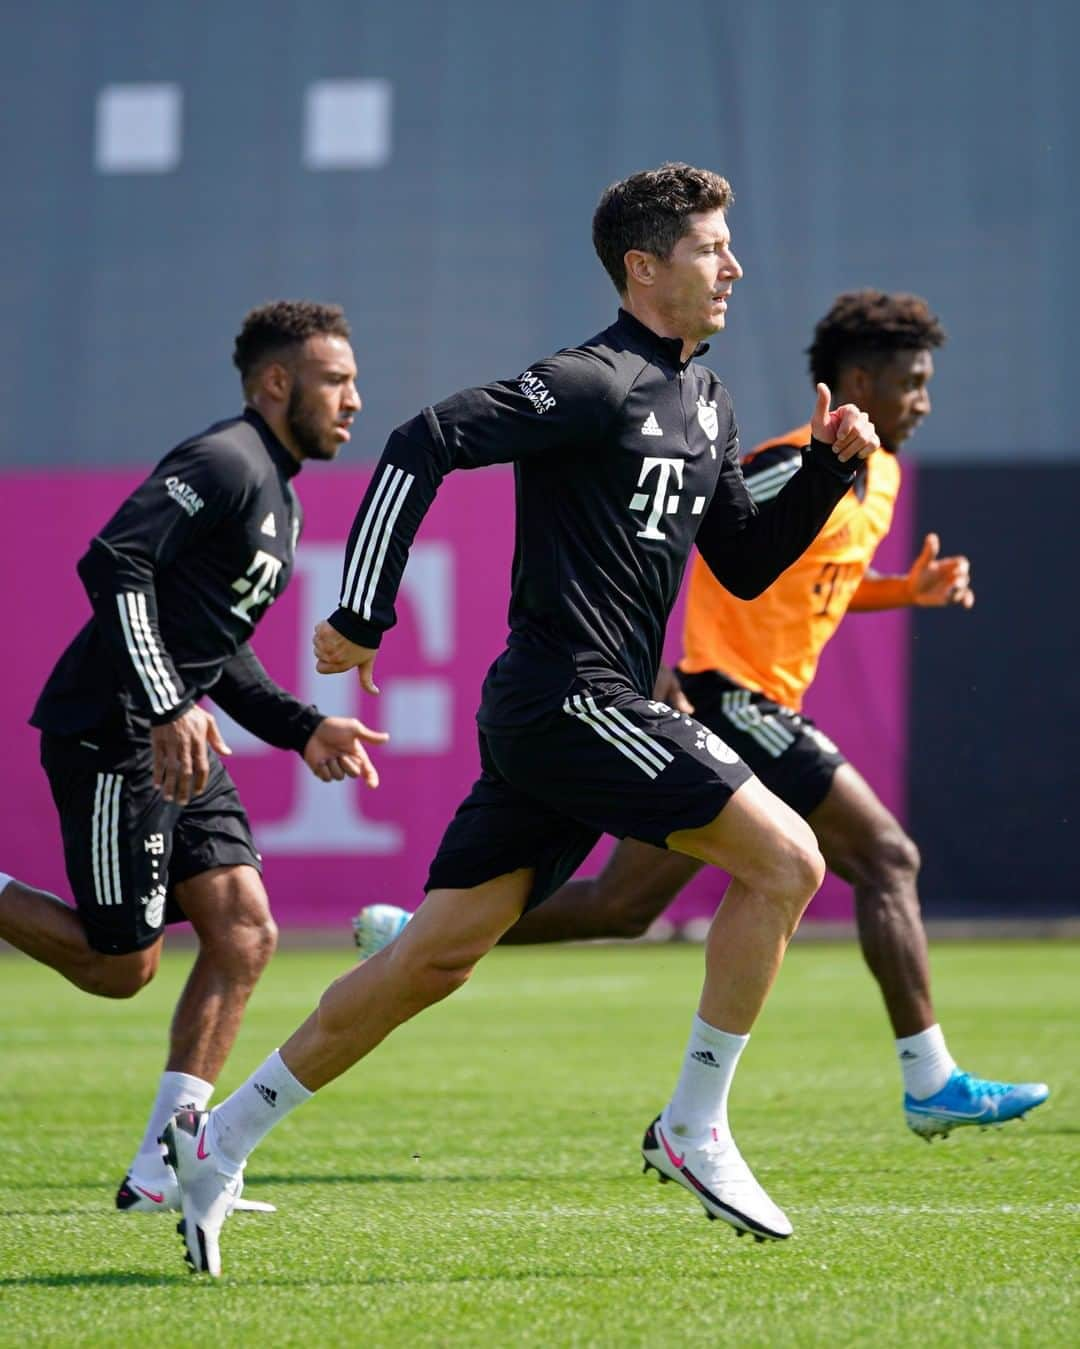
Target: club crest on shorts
{"x":154,"y":905}
{"x":707,"y":416}
{"x":716,"y":747}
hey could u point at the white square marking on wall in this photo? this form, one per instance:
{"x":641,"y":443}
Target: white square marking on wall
{"x":347,"y":124}
{"x":138,"y":128}
{"x":417,"y":712}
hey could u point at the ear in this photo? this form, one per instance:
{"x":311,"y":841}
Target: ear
{"x":857,"y":383}
{"x":640,"y":266}
{"x":275,"y":379}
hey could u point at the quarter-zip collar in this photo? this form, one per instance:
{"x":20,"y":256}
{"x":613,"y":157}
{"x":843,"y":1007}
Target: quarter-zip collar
{"x":286,"y":462}
{"x":670,"y":348}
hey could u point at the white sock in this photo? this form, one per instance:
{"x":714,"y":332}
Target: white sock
{"x":699,"y":1103}
{"x":925,"y":1062}
{"x":244,"y":1119}
{"x":4,"y":878}
{"x":176,"y":1091}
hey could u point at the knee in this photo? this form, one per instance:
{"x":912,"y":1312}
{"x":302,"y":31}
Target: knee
{"x":887,"y":861}
{"x":802,"y":867}
{"x":900,"y":855}
{"x":807,"y":871}
{"x":788,"y":878}
{"x":262,"y":940}
{"x":120,"y":976}
{"x":425,"y":975}
{"x":435,"y":977}
{"x":442,"y":979}
{"x":243,"y":935}
{"x":247,"y":946}
{"x":797,"y":875}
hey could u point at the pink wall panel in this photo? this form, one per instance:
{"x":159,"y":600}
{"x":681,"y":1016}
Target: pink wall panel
{"x":329,"y":849}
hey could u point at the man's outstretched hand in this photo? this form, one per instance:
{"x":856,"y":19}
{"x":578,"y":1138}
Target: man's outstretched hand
{"x":335,"y":750}
{"x":937,"y":581}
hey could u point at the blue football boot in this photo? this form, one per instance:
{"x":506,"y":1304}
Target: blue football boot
{"x":376,"y":927}
{"x":965,"y":1099}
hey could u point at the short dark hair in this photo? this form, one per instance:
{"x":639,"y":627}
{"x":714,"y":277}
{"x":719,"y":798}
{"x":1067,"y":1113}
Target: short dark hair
{"x":271,"y":329}
{"x":868,"y":327}
{"x":649,"y":211}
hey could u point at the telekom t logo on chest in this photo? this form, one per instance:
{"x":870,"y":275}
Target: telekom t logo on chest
{"x":264,"y":568}
{"x":663,"y":501}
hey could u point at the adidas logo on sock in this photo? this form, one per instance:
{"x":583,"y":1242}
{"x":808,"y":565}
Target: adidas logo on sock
{"x":268,"y":1094}
{"x":908,"y":1054}
{"x":706,"y":1056}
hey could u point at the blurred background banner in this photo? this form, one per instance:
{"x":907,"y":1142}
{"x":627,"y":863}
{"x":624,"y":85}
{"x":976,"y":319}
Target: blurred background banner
{"x":329,"y":848}
{"x":434,"y":169}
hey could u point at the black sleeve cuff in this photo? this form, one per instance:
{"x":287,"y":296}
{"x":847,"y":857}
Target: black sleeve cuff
{"x":304,"y":727}
{"x":352,"y":626}
{"x":821,"y":456}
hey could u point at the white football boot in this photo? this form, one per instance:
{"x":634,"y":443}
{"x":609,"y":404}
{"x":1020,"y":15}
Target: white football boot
{"x":712,"y":1169}
{"x":139,"y":1195}
{"x":209,"y":1189}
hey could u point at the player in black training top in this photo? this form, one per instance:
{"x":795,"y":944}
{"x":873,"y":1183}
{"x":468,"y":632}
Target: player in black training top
{"x":626,"y":453}
{"x":153,"y":829}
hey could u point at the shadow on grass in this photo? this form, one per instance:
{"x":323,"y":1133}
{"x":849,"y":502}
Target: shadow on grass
{"x":113,"y":1278}
{"x":107,"y":1186}
{"x":299,"y":1178}
{"x":252,"y":1182}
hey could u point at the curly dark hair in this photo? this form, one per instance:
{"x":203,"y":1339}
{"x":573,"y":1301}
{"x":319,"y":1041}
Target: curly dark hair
{"x":649,"y":211}
{"x":868,"y":327}
{"x":271,"y":329}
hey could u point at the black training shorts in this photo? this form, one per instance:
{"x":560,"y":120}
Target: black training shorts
{"x":795,"y":760}
{"x":621,"y":765}
{"x":125,"y":847}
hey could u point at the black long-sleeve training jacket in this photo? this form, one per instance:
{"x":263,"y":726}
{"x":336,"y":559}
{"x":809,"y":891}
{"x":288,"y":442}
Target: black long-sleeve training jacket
{"x":624,"y":456}
{"x":178,"y":579}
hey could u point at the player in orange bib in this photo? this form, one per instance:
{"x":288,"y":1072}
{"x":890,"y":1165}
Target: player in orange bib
{"x":745,"y":669}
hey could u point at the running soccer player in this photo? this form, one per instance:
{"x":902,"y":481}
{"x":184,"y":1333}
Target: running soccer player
{"x":744,"y":674}
{"x":154,"y":831}
{"x":625,"y":451}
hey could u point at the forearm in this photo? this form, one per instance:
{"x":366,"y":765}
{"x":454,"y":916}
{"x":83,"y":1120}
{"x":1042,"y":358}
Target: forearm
{"x":779,"y":532}
{"x":882,"y":592}
{"x":246,"y":691}
{"x":401,"y":491}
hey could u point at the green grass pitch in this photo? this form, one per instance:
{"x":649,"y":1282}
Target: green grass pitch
{"x":477,"y":1181}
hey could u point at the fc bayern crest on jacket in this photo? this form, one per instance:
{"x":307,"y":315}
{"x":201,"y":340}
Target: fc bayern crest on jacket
{"x":706,"y":415}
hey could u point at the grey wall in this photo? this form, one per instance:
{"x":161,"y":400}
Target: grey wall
{"x":928,"y":146}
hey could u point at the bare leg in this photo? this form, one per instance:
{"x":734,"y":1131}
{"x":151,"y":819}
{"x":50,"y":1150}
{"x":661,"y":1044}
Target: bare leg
{"x":635,"y":887}
{"x":431,"y":958}
{"x":864,"y":844}
{"x":230,"y":912}
{"x":47,"y":929}
{"x":776,"y":868}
